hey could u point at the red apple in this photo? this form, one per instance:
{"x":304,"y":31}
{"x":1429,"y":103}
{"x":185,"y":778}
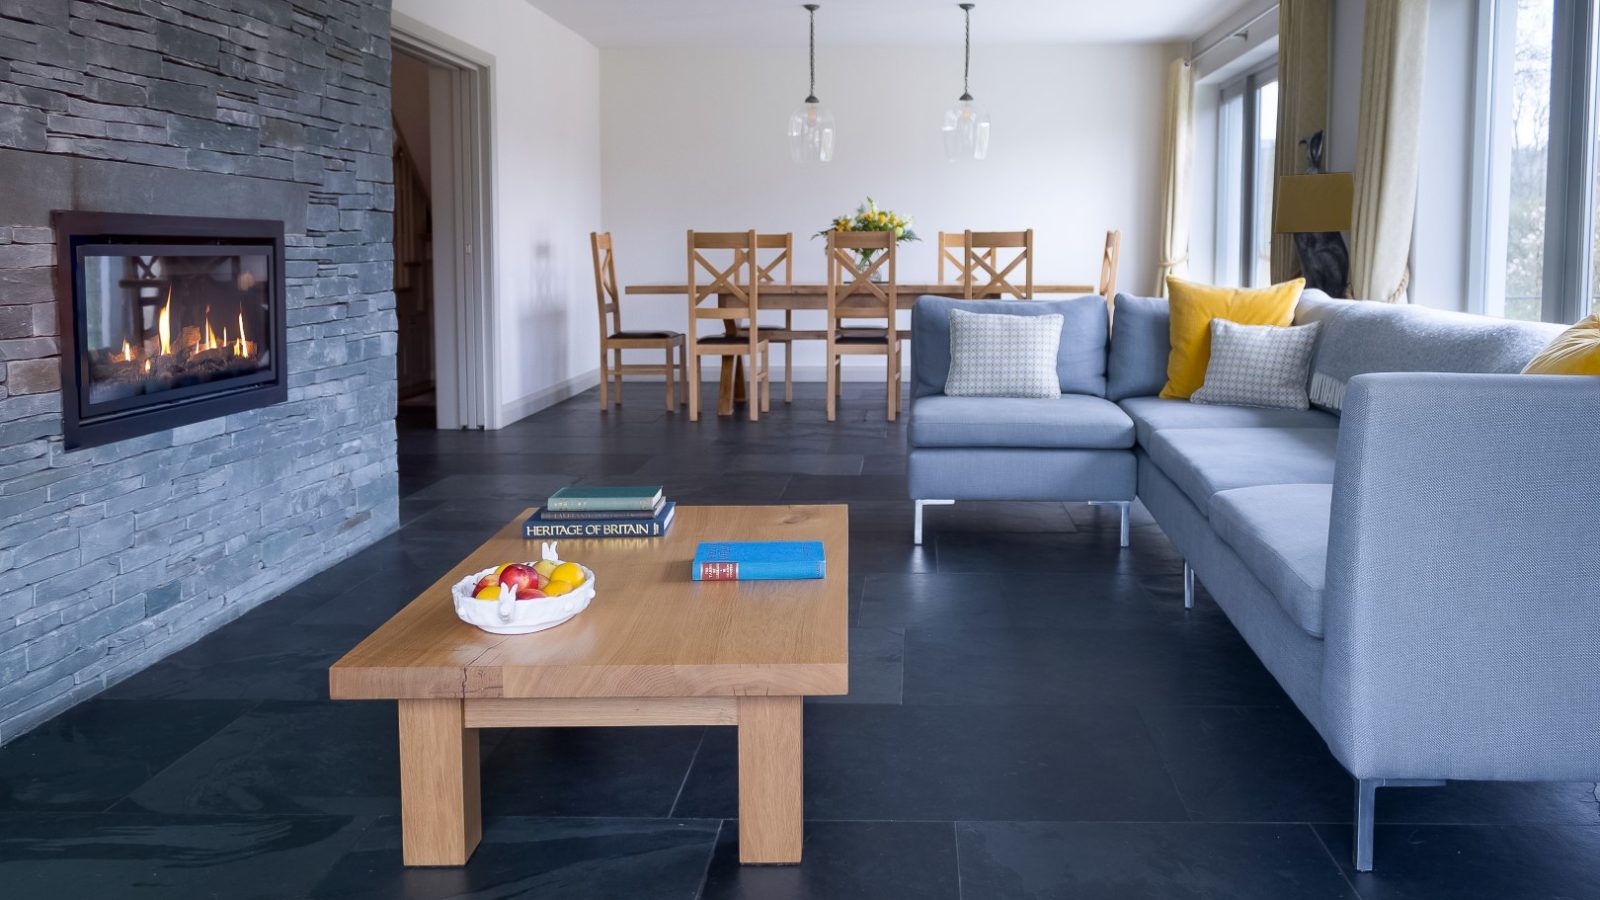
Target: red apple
{"x":530,"y":593}
{"x":518,"y":576}
{"x":486,"y":581}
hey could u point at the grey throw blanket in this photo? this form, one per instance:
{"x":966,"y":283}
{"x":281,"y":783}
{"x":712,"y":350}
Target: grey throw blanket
{"x":1359,"y":337}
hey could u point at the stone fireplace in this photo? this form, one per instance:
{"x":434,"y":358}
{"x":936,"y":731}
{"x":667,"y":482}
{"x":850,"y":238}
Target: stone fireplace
{"x":197,"y":386}
{"x":166,"y":321}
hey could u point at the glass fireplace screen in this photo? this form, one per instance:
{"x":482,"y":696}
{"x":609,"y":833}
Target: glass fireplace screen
{"x":165,"y":322}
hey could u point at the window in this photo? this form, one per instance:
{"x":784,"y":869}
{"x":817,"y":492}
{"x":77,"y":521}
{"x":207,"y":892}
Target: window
{"x":1247,"y":130}
{"x":1539,"y":239}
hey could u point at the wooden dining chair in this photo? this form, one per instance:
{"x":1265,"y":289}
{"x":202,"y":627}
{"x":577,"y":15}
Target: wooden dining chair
{"x":778,"y":268}
{"x":852,"y":294}
{"x":952,"y":254}
{"x":1108,"y":267}
{"x":614,"y":340}
{"x":734,"y":291}
{"x":981,"y":256}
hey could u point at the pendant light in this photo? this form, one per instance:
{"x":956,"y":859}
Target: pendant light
{"x":811,"y":125}
{"x":966,"y":124}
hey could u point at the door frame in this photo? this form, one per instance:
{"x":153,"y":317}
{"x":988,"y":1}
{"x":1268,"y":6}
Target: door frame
{"x":464,"y":313}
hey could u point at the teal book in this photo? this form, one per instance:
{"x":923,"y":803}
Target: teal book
{"x":594,"y":498}
{"x":758,"y":561}
{"x":539,"y":527}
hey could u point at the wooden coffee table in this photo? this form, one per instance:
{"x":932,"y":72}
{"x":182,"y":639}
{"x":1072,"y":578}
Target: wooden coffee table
{"x":654,"y":648}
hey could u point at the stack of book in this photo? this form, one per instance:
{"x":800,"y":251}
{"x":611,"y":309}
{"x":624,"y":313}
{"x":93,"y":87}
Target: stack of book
{"x":602,"y":512}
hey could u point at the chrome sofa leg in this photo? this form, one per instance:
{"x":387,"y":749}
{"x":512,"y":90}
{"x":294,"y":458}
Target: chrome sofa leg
{"x":1188,"y":586}
{"x":1126,"y":507}
{"x":916,"y":524}
{"x":1366,"y":800}
{"x":1366,"y":812}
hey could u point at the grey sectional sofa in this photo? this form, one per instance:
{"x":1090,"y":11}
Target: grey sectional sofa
{"x":1414,"y":560}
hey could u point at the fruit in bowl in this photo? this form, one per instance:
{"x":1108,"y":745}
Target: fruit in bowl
{"x":529,"y":581}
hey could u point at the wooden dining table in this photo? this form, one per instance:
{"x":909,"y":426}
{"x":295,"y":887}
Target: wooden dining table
{"x":814,"y":295}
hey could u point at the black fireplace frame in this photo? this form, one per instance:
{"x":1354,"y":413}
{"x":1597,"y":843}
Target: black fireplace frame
{"x":83,"y":427}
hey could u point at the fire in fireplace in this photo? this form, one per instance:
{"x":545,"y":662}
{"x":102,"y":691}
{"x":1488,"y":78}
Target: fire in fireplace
{"x":166,"y":321}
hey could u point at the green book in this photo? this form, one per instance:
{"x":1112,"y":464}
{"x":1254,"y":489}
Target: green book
{"x":583,"y":498}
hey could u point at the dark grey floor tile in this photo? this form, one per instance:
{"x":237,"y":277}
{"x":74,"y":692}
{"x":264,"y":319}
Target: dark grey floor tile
{"x":287,"y":758}
{"x":571,"y":859}
{"x":845,"y":861}
{"x":94,"y":754}
{"x":256,"y":660}
{"x":1159,"y":861}
{"x":532,"y":488}
{"x":1049,"y":600}
{"x":1474,"y":862}
{"x":669,"y":465}
{"x":588,"y":771}
{"x":1006,"y":552}
{"x":946,"y":763}
{"x":1020,"y":665}
{"x":831,"y":488}
{"x":55,"y":856}
{"x":877,"y":660}
{"x":988,"y":516}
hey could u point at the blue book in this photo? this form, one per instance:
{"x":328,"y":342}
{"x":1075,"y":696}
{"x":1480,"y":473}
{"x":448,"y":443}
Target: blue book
{"x":539,"y":527}
{"x":758,"y":560}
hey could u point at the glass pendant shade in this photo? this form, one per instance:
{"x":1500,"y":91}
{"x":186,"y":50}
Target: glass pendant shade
{"x":811,"y":133}
{"x":966,"y":131}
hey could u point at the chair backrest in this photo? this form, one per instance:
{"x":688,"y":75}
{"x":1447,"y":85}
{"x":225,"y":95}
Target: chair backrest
{"x":849,"y":277}
{"x":952,"y":253}
{"x":605,"y":283}
{"x":1108,"y":266}
{"x":779,"y":267}
{"x":710,"y":279}
{"x":983,"y":252}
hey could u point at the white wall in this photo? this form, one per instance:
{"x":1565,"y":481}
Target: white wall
{"x":546,"y":148}
{"x":694,"y":138}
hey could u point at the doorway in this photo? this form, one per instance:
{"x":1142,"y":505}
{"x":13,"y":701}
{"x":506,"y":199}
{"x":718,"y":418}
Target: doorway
{"x":443,"y":240}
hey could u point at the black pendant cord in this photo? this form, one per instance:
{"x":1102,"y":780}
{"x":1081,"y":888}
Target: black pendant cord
{"x":966,"y":60}
{"x":811,"y":97}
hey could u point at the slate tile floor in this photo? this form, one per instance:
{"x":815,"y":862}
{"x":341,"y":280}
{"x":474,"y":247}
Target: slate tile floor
{"x":1033,"y":715}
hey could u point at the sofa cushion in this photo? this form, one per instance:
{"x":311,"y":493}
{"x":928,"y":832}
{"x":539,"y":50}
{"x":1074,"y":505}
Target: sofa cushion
{"x":1362,"y":337}
{"x":1152,"y":414}
{"x":994,"y":355}
{"x":1141,"y":341}
{"x":1194,"y":305}
{"x":1280,"y":532}
{"x":1070,"y":421}
{"x":1258,"y":365}
{"x":1080,"y":358}
{"x":1206,"y":461}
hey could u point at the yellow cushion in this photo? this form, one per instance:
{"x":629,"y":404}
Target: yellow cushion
{"x":1193,"y":307}
{"x":1575,"y":351}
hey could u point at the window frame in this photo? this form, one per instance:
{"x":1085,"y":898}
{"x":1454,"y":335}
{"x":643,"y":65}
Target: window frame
{"x":1570,"y":187}
{"x":1239,"y":243}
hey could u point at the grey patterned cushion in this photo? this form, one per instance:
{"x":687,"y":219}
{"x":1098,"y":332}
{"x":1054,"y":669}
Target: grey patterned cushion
{"x":996,"y":355}
{"x":1258,"y":365}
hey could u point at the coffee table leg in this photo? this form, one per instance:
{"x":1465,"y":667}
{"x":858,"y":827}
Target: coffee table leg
{"x":440,"y":816}
{"x":770,"y":805}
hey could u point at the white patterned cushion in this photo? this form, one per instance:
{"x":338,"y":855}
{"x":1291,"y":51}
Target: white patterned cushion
{"x":1258,"y":365}
{"x":996,"y":355}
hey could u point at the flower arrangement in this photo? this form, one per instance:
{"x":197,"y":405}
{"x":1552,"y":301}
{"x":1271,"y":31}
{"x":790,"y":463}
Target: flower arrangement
{"x":869,"y":217}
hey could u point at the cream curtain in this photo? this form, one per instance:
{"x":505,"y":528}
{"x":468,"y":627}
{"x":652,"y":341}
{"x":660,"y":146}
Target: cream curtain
{"x":1178,"y":153}
{"x":1304,"y":28}
{"x":1388,"y":146}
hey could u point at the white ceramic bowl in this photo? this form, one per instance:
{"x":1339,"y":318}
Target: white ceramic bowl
{"x":507,"y":616}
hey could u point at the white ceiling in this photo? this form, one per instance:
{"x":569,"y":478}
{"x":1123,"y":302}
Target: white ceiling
{"x":637,"y":23}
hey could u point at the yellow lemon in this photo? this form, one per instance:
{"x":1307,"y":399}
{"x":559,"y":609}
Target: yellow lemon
{"x":556,"y":588}
{"x":492,"y":592}
{"x":568,"y":572}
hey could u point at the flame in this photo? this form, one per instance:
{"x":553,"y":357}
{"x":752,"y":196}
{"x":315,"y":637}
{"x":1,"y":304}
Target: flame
{"x":127,"y":353}
{"x":147,"y":365}
{"x":241,"y":347}
{"x":211,"y":336}
{"x":164,"y":325}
